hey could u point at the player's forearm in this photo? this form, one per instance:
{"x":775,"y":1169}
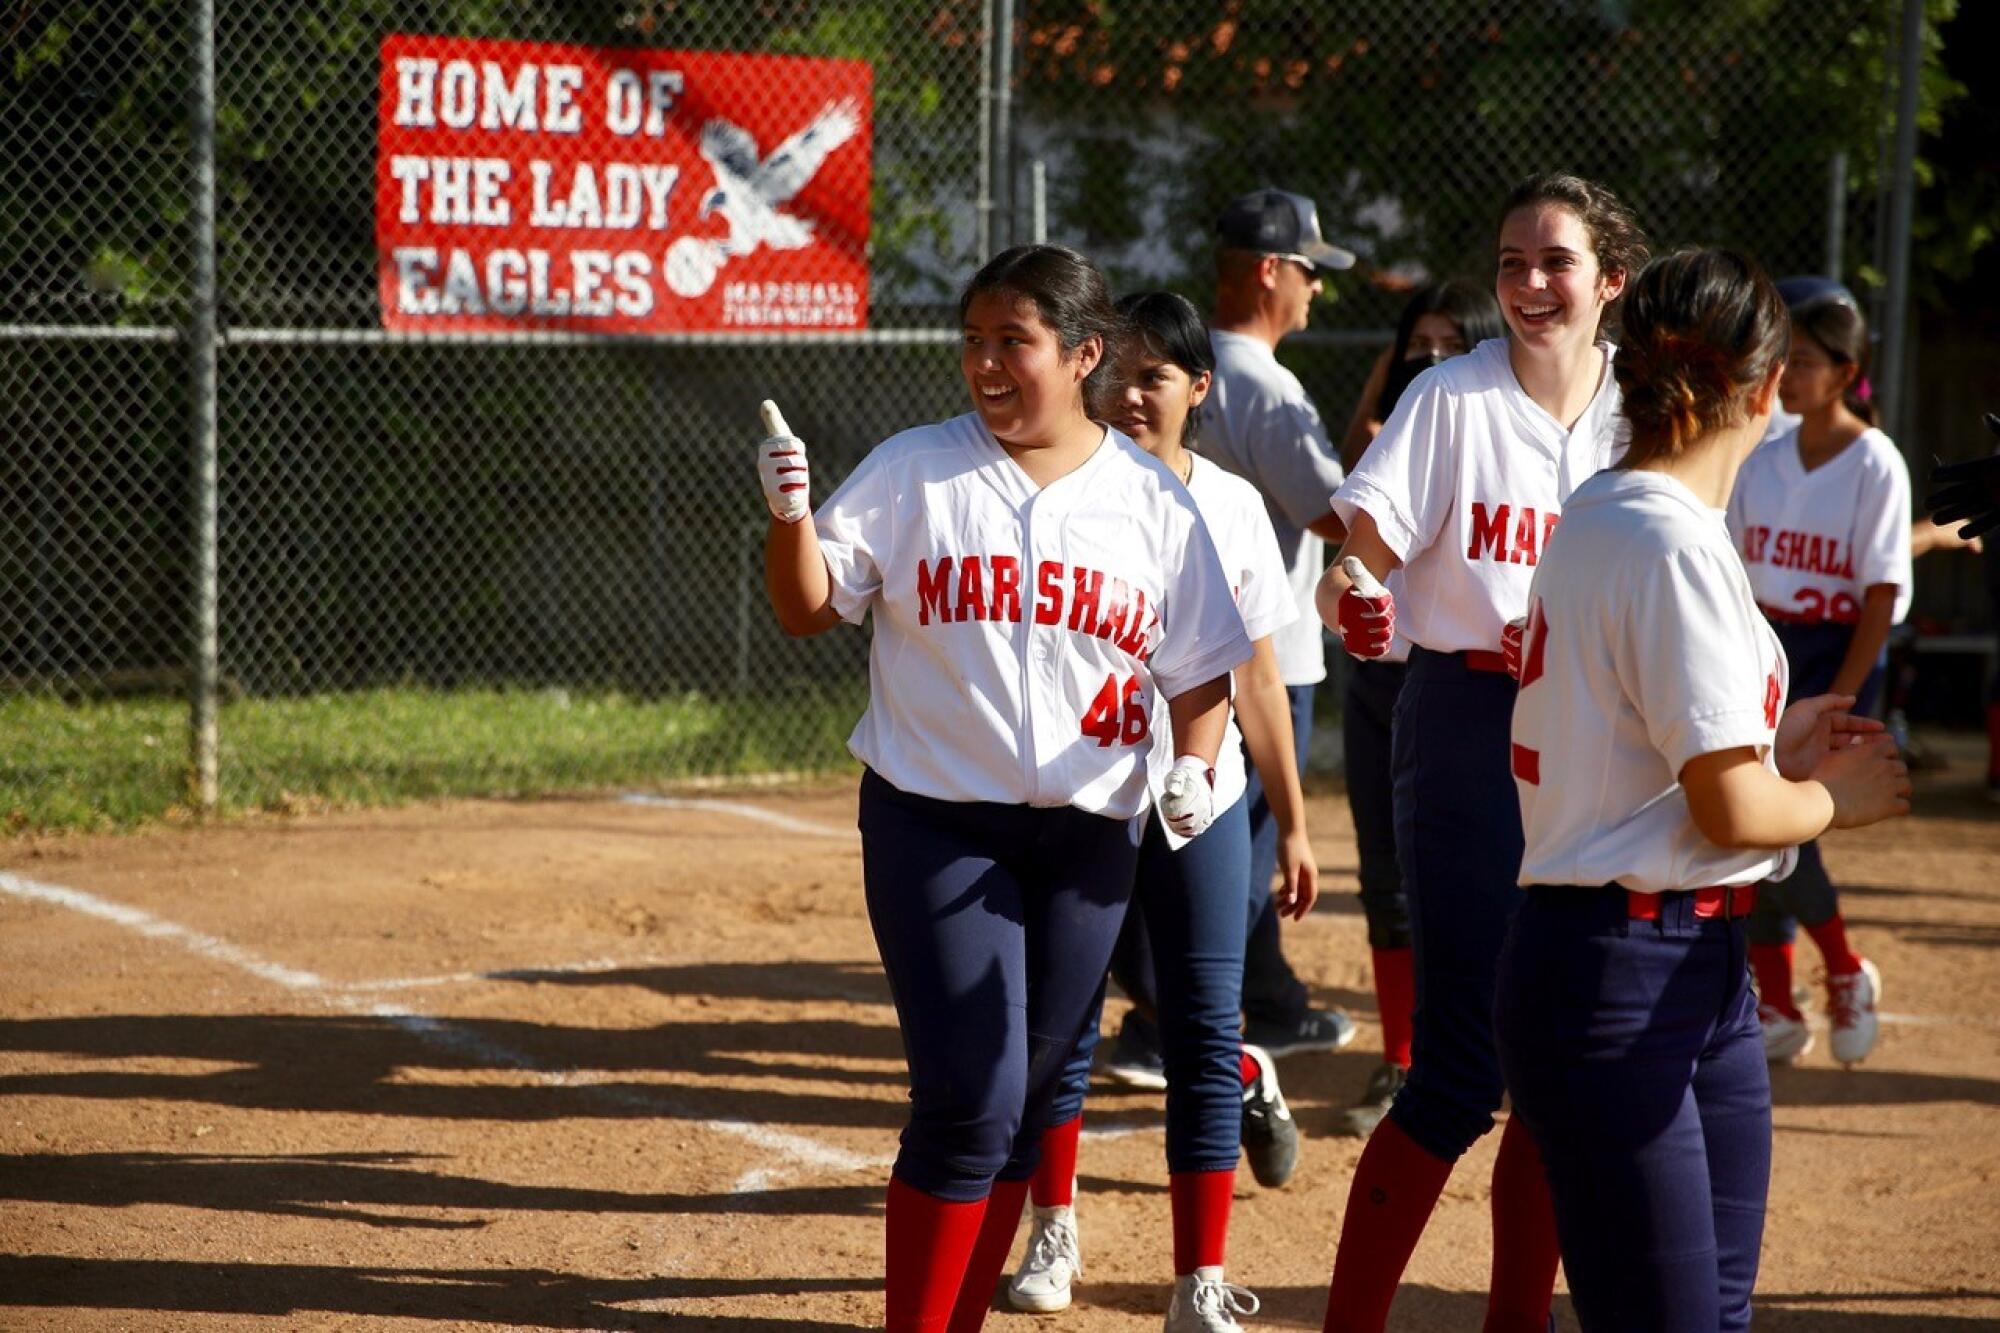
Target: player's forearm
{"x":1736,"y":802}
{"x":1364,"y":540}
{"x":1264,"y":714}
{"x":1878,"y":607}
{"x":796,"y":578}
{"x":1199,"y":717}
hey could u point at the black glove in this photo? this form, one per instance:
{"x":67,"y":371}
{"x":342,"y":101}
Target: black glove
{"x":1968,"y":492}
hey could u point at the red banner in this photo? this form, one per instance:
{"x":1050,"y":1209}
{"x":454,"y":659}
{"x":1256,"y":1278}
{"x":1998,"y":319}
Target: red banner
{"x":619,"y":190}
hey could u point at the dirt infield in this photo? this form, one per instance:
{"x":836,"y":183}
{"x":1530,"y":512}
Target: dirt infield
{"x":605,"y":1065}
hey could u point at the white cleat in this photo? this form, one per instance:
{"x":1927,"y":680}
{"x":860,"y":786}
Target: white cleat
{"x":1786,"y":1039}
{"x":1204,"y":1303}
{"x":1051,"y":1263}
{"x":1850,"y":1007}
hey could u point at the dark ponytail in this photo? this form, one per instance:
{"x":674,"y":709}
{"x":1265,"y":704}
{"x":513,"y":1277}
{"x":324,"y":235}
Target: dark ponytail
{"x":1071,"y":297}
{"x":1702,"y":330}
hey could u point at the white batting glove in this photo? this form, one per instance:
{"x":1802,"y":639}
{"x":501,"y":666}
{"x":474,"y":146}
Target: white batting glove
{"x":1187,"y":797}
{"x":781,"y":466}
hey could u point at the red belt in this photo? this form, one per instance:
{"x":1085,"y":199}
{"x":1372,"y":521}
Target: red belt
{"x":1728,"y":901}
{"x":1481,"y":660}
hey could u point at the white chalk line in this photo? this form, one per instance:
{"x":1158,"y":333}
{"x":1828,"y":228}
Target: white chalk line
{"x":741,"y":811}
{"x":797,"y":1148}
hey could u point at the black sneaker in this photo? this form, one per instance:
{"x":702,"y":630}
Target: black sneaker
{"x":1315,"y":1030}
{"x":1133,"y":1058}
{"x":1359,"y":1120}
{"x":1270,"y":1135}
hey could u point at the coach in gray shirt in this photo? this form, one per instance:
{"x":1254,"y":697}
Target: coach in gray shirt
{"x":1260,"y":424}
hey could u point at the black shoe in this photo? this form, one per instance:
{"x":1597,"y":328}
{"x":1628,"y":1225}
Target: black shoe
{"x":1359,"y":1120}
{"x":1270,"y":1135}
{"x":1316,"y":1030}
{"x":1133,"y":1058}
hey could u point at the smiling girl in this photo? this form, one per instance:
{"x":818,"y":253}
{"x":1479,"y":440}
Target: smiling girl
{"x":1460,"y":491}
{"x":1036,"y":580}
{"x":1180,"y":956}
{"x":1821,"y":515}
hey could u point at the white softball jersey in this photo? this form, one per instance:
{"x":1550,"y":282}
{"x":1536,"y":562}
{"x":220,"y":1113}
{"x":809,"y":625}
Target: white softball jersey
{"x":1236,"y":521}
{"x":1260,"y":424}
{"x":1815,"y":542}
{"x":1644,"y":650}
{"x":1466,"y":481}
{"x":1021,"y":632}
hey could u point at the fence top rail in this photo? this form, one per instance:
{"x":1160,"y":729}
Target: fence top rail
{"x":255,"y":336}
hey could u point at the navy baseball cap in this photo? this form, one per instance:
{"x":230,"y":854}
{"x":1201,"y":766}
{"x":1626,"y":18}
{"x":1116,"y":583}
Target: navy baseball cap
{"x":1807,"y":291}
{"x":1278,"y":222}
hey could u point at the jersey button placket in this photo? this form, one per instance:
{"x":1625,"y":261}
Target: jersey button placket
{"x":1042,"y":680}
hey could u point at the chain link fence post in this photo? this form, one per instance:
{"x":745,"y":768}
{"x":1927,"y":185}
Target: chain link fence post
{"x":204,"y":669}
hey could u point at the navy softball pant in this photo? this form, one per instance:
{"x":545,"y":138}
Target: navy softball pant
{"x":1272,"y":992}
{"x":1181,"y":956}
{"x":1632,"y":1053}
{"x":1815,"y":653}
{"x":1458,"y":838}
{"x":995,"y":924}
{"x":1372,"y":688}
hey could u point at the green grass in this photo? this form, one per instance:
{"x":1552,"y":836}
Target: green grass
{"x":115,"y":763}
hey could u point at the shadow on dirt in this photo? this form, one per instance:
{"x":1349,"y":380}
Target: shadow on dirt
{"x":367,"y":1187}
{"x":518,"y":1297}
{"x":386,"y":1066}
{"x":1427,"y":1308}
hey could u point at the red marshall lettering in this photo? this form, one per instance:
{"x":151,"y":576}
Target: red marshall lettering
{"x":1488,"y":531}
{"x":1006,"y":587}
{"x":1809,"y":551}
{"x":971,"y":591}
{"x":933,"y":589}
{"x":1087,"y":585}
{"x":1048,"y":593}
{"x":1505,"y":535}
{"x":955,"y":589}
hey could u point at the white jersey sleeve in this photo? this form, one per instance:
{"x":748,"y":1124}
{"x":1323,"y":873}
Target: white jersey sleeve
{"x":1882,"y":522}
{"x":1407,"y":480}
{"x":1691,"y":656}
{"x":1201,"y":635}
{"x":851,"y":524}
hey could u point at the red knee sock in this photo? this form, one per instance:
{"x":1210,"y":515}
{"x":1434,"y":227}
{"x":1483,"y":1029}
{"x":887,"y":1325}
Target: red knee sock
{"x":1054,"y":1183}
{"x":1395,"y":997}
{"x":989,"y":1255}
{"x":930,"y":1240}
{"x":1831,"y":937}
{"x":1525,"y":1252}
{"x":1396,"y":1185}
{"x":1772,"y":966}
{"x":1201,"y":1217}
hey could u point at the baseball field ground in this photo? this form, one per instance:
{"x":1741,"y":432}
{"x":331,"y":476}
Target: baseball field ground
{"x":630,"y":1064}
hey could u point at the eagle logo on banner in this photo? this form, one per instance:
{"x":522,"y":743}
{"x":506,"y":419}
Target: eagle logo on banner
{"x":748,"y":191}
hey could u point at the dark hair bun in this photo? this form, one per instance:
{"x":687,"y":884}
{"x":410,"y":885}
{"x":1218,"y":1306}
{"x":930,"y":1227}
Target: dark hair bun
{"x":1702,"y":329}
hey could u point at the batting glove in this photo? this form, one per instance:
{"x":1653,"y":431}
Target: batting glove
{"x":1511,"y":636}
{"x":1187,"y":797}
{"x":781,"y":466}
{"x":1366,"y":612}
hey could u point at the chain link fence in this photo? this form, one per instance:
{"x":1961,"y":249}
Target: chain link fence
{"x":532,"y":562}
